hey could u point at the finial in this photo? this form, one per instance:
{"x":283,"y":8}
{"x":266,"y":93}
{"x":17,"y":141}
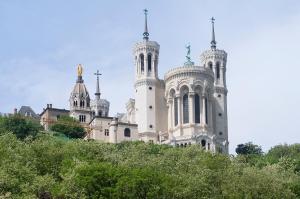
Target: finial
{"x":188,"y":56}
{"x":146,"y":34}
{"x":213,"y":39}
{"x":97,"y":85}
{"x":79,"y":70}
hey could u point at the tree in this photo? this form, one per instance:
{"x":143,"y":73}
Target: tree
{"x":248,"y":149}
{"x":22,"y":127}
{"x":69,"y":127}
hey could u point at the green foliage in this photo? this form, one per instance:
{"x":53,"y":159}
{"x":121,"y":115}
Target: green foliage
{"x":22,"y":127}
{"x":49,"y":166}
{"x":69,"y":127}
{"x":248,"y":149}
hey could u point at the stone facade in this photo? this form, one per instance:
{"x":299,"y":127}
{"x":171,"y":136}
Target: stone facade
{"x":188,"y":106}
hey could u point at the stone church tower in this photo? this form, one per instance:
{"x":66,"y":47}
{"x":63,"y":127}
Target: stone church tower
{"x":80,"y":100}
{"x":149,"y":89}
{"x":215,"y":60}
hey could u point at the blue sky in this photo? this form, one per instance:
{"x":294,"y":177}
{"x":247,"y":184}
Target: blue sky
{"x":43,"y":41}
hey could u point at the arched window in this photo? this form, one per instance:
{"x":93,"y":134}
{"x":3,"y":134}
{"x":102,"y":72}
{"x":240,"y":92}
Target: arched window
{"x":126,"y":132}
{"x":81,"y":103}
{"x":185,"y":108}
{"x":142,"y":62}
{"x":176,"y":111}
{"x":218,"y":70}
{"x":210,"y":65}
{"x":149,"y":60}
{"x":75,"y":103}
{"x":197,"y":108}
{"x":206,"y":115}
{"x":203,"y":143}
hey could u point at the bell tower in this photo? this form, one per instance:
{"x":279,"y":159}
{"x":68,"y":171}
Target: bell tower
{"x":216,"y":60}
{"x":148,"y":87}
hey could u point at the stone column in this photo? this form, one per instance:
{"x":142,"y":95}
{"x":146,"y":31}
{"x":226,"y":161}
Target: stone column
{"x":203,"y":110}
{"x":210,"y":113}
{"x":222,"y":77}
{"x":192,"y":108}
{"x":170,"y":115}
{"x":179,"y":109}
{"x":215,"y":73}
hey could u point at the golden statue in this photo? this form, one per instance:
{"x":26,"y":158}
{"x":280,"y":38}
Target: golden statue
{"x":79,"y":70}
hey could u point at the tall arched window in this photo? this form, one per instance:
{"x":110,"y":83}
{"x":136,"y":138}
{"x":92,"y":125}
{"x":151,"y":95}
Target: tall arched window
{"x":149,"y":60}
{"x":203,"y":143}
{"x":210,"y":65}
{"x":142,"y":62}
{"x":126,"y":132}
{"x":206,"y":111}
{"x":197,"y":108}
{"x":218,"y":70}
{"x":185,"y":108}
{"x":176,"y":111}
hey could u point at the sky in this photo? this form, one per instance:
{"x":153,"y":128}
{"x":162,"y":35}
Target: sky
{"x":41,"y":43}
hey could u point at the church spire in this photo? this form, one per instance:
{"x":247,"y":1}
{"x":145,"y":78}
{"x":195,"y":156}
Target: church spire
{"x":97,"y":94}
{"x":213,"y":40}
{"x":146,"y":34}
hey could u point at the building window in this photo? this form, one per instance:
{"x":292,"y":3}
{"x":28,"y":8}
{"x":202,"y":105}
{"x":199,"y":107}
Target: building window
{"x":106,"y":132}
{"x":151,"y":141}
{"x":81,"y":103}
{"x":142,"y":62}
{"x":208,"y":146}
{"x":203,"y":143}
{"x":206,"y":115}
{"x":220,"y":133}
{"x":197,"y":108}
{"x":218,"y":70}
{"x":82,"y":118}
{"x":185,"y":108}
{"x":57,"y":117}
{"x":149,"y":59}
{"x":150,"y":88}
{"x":150,"y":126}
{"x":220,"y":114}
{"x":219,"y":96}
{"x":176,"y":111}
{"x":210,"y":65}
{"x":126,"y":132}
{"x":150,"y":107}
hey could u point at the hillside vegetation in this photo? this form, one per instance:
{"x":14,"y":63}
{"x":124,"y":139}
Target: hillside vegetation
{"x":47,"y":166}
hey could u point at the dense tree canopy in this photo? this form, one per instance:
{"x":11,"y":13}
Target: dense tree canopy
{"x":51,"y":167}
{"x":248,"y":149}
{"x":69,"y":127}
{"x":22,"y":127}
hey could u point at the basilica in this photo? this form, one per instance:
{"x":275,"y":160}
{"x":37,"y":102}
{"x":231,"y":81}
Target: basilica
{"x":188,"y":106}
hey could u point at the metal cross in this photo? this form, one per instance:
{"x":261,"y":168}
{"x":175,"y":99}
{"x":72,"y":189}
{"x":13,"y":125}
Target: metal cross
{"x":97,"y":74}
{"x":212,"y":20}
{"x":145,"y":11}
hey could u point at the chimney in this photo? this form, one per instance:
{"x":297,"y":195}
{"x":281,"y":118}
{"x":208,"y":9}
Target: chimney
{"x":47,"y":105}
{"x":50,"y":105}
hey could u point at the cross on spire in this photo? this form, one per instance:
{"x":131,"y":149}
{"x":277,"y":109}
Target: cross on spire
{"x":146,"y":33}
{"x":213,"y":39}
{"x":97,"y":85}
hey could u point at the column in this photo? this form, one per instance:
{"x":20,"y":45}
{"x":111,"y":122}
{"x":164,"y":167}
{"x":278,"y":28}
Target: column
{"x":170,"y":116}
{"x":179,"y":109}
{"x":215,"y":73}
{"x":209,"y":112}
{"x":222,"y":76}
{"x":203,"y":121}
{"x":192,"y":108}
